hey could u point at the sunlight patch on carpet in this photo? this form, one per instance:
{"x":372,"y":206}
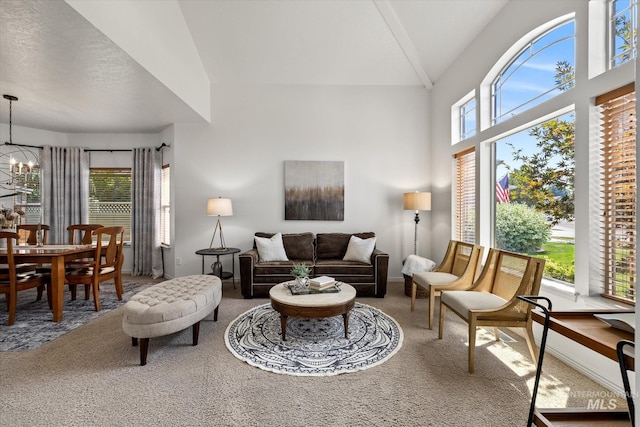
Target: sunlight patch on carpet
{"x":314,"y":347}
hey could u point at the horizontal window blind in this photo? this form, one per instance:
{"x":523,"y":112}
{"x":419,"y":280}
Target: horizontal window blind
{"x":618,"y":156}
{"x":465,"y":196}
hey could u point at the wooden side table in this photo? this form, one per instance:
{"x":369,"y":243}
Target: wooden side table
{"x":216,"y":267}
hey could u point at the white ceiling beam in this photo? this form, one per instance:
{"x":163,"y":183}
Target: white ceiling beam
{"x":405,"y":43}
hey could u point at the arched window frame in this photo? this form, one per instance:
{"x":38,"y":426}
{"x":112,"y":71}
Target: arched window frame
{"x":486,"y":101}
{"x":505,"y":74}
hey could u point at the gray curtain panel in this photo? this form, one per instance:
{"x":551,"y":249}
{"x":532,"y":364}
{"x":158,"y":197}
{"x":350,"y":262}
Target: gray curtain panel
{"x":64,"y":184}
{"x":145,"y":218}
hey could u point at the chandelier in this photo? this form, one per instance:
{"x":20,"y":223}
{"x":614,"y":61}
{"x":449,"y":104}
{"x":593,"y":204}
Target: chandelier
{"x":20,"y":171}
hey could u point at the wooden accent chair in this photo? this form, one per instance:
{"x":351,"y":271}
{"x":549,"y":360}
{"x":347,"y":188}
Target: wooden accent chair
{"x":11,"y":282}
{"x":29,"y":233}
{"x":492,"y":300}
{"x":457,"y":271}
{"x":80,"y":234}
{"x":106,"y":263}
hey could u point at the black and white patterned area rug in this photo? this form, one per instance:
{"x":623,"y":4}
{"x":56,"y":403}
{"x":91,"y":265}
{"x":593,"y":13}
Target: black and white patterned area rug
{"x":314,"y":347}
{"x":34,"y":325}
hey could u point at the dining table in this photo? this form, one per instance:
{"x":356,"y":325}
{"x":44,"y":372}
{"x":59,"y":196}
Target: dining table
{"x":57,"y":256}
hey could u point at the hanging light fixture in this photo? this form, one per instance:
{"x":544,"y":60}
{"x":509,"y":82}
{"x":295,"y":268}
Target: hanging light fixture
{"x":19,"y":172}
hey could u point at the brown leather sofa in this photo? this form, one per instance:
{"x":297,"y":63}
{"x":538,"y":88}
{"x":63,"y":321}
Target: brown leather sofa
{"x":323,"y":253}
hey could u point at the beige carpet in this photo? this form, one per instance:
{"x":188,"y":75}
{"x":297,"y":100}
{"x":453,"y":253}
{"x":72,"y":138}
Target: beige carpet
{"x":91,"y":376}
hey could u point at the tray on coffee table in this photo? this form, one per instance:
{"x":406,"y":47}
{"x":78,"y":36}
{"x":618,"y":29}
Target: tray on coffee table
{"x":306,"y":291}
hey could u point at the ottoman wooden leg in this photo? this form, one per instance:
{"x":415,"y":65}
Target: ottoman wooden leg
{"x":144,"y":346}
{"x":215,"y":314}
{"x":134,"y":341}
{"x":196,"y":332}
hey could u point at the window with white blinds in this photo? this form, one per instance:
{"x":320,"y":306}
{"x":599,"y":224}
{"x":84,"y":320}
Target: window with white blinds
{"x":618,"y":198}
{"x":465,"y":196}
{"x":165,"y":206}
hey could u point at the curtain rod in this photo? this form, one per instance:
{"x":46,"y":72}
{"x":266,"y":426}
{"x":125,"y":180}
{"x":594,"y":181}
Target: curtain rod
{"x":86,"y":149}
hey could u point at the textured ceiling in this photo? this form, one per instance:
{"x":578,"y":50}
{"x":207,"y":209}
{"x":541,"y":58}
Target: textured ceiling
{"x":70,"y":77}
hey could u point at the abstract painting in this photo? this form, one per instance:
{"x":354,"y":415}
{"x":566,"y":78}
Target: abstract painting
{"x":314,"y":190}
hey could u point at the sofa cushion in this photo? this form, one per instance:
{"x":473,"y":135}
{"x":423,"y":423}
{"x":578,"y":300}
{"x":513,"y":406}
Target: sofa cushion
{"x":271,"y":248}
{"x":344,"y":270}
{"x":296,"y":245}
{"x":275,"y":268}
{"x":334,"y":245}
{"x":360,"y":249}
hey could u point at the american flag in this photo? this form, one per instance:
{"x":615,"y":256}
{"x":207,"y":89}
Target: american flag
{"x":502,"y":189}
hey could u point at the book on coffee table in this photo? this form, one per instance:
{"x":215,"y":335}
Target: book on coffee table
{"x":321,"y":283}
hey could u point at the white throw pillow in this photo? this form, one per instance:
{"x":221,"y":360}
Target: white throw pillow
{"x":360,"y":249}
{"x":271,"y":249}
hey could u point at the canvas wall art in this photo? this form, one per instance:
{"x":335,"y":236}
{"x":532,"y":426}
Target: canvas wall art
{"x":314,"y":190}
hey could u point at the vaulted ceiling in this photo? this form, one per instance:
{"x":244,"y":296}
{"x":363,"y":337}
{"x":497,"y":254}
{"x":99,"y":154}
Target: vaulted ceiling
{"x":71,"y":76}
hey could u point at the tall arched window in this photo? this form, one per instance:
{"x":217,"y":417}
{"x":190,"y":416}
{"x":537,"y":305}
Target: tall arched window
{"x":541,"y":70}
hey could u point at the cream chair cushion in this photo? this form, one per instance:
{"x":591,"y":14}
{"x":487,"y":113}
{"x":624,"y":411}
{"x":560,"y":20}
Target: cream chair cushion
{"x":428,"y":278}
{"x":463,"y":301}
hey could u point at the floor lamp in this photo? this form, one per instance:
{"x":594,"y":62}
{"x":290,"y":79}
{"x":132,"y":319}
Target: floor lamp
{"x":416,"y":201}
{"x":219,"y":207}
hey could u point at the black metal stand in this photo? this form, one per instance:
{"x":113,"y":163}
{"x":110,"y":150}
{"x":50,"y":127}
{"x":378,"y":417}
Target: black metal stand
{"x":543,"y":343}
{"x":625,"y":378}
{"x":415,"y":234}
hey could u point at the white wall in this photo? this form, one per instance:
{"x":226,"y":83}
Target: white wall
{"x":381,"y":134}
{"x":469,"y":70}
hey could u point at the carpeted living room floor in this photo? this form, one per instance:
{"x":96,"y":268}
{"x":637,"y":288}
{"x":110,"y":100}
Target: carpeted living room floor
{"x":91,"y":377}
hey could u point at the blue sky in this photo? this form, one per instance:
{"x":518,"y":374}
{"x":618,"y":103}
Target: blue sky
{"x":531,"y":75}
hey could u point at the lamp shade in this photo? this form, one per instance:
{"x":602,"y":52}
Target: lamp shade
{"x":219,"y":207}
{"x":417,"y":201}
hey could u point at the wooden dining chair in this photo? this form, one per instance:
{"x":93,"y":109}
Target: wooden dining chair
{"x":29,"y":233}
{"x":80,"y":234}
{"x":105,"y":265}
{"x":11,"y":282}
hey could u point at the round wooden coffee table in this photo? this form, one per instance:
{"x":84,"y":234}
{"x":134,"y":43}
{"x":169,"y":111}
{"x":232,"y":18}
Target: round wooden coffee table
{"x":312,"y":306}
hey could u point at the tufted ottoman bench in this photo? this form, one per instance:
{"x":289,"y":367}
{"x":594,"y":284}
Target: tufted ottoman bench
{"x":169,"y":307}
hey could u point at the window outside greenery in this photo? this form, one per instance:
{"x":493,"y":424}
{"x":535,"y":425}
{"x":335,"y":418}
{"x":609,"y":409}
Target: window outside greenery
{"x":110,"y":198}
{"x":536,"y":216}
{"x":623,"y":27}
